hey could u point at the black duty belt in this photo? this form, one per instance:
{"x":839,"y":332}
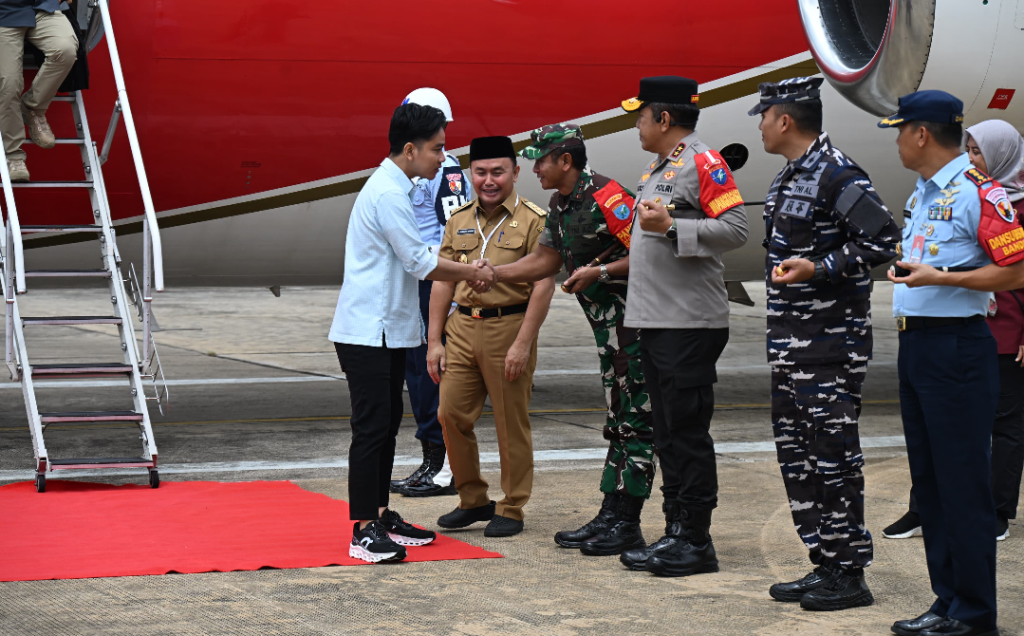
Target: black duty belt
{"x":910,"y":323}
{"x":493,"y":312}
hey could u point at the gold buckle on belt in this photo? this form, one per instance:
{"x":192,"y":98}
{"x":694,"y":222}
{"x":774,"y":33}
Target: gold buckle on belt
{"x":475,"y":312}
{"x":901,"y":323}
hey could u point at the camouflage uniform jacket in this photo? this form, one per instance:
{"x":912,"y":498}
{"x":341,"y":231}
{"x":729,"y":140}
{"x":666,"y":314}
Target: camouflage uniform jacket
{"x":577,"y":228}
{"x":822,"y":207}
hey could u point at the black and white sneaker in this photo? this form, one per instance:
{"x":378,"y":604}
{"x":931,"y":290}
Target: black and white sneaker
{"x":907,"y":526}
{"x":1002,"y":527}
{"x":372,"y":544}
{"x":402,"y":532}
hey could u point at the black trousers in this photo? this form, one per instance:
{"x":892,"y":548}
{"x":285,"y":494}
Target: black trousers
{"x":679,"y":366}
{"x":949,"y":387}
{"x":375,"y":378}
{"x":423,"y":393}
{"x":1007,"y":439}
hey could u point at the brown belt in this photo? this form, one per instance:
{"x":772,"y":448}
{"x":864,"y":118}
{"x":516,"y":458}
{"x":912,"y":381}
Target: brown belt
{"x":493,"y":312}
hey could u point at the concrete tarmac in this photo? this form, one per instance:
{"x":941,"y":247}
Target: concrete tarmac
{"x":256,"y":393}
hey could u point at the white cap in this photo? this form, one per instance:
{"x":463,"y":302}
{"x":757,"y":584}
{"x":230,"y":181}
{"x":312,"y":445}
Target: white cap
{"x":430,"y":97}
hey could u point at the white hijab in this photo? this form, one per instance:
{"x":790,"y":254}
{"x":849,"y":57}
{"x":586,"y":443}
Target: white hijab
{"x":1003,"y":149}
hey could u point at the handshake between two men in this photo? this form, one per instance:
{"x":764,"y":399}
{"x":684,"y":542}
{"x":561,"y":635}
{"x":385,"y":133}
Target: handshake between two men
{"x":580,"y":279}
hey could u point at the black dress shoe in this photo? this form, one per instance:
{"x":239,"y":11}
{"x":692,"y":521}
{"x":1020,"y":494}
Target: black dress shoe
{"x":637,"y":558}
{"x":427,"y":487}
{"x":604,"y":520}
{"x":843,"y":590}
{"x":793,"y":591}
{"x":460,"y":518}
{"x":953,"y":627}
{"x":914,"y":626}
{"x":684,"y":558}
{"x":503,"y":527}
{"x":623,"y":536}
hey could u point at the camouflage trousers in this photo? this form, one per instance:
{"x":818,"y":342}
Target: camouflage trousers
{"x":815,"y":409}
{"x":629,"y":467}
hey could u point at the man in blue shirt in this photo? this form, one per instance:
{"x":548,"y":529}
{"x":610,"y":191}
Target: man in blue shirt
{"x":960,"y":241}
{"x":377,"y":320}
{"x":433,"y":201}
{"x":41,"y":23}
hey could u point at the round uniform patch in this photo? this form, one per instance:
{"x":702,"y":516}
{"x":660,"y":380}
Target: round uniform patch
{"x":621,"y":212}
{"x":719,"y":176}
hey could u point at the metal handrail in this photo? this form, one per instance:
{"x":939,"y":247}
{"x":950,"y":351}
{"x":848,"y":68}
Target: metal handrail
{"x":133,"y":141}
{"x":12,"y":219}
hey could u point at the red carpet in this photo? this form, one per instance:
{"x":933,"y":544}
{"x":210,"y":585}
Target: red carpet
{"x":82,"y":530}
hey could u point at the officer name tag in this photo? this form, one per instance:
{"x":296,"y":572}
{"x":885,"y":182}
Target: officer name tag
{"x":468,"y":230}
{"x":917,"y":250}
{"x":797,"y":208}
{"x":940,"y":212}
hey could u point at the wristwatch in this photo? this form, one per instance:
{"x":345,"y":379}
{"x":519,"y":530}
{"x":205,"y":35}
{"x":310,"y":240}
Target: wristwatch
{"x":603,"y":276}
{"x":820,"y":275}
{"x":671,"y":233}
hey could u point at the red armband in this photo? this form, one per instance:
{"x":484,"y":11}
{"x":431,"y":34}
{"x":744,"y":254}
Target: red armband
{"x":999,"y":232}
{"x":718,"y":192}
{"x":617,"y":206}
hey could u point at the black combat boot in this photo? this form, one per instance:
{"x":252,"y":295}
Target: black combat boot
{"x":432,"y":481}
{"x":623,"y":535}
{"x":605,"y":518}
{"x":396,"y":484}
{"x":793,"y":591}
{"x":637,"y":558}
{"x":694,"y":553}
{"x":845,"y":589}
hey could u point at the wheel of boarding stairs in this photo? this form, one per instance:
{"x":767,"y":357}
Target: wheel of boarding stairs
{"x":154,"y":479}
{"x":40,"y":483}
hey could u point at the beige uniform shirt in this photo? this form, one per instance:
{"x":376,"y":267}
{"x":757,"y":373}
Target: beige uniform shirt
{"x":514,"y":230}
{"x":679,"y":284}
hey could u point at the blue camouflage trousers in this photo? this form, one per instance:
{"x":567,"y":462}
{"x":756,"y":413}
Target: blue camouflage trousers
{"x":815,"y":409}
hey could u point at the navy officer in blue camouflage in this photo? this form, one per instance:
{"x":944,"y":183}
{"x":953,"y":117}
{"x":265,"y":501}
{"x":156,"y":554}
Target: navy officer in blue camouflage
{"x":825,"y":228}
{"x":961,"y":239}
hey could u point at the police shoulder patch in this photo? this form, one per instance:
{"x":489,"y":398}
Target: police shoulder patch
{"x":536,"y":208}
{"x":464,"y":206}
{"x":977,"y":177}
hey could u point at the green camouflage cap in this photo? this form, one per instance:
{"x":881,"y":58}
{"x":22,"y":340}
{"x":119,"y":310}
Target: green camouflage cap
{"x":550,"y":137}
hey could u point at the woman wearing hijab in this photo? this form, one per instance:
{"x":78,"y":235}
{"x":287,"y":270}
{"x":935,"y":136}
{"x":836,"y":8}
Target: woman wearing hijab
{"x":997,"y":149}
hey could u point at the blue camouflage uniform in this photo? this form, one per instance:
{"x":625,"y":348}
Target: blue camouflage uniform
{"x":949,"y":379}
{"x":432,"y":201}
{"x":822,"y":207}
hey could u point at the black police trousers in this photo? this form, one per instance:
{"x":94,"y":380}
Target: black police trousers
{"x":679,"y":367}
{"x":949,"y":386}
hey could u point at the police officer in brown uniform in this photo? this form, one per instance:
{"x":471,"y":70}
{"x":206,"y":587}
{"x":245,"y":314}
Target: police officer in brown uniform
{"x":491,"y":346}
{"x":690,"y":213}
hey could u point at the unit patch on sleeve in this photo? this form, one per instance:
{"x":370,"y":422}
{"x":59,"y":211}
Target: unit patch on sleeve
{"x":617,"y":207}
{"x":718,"y":191}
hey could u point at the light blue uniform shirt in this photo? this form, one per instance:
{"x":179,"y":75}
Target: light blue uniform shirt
{"x":430,"y":208}
{"x":384,"y":258}
{"x":947,"y":194}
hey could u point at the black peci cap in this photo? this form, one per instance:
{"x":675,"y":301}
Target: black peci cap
{"x":491,"y":148}
{"x":666,"y":89}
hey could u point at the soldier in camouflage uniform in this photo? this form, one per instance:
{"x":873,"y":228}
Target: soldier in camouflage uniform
{"x":825,"y":227}
{"x":588,"y":229}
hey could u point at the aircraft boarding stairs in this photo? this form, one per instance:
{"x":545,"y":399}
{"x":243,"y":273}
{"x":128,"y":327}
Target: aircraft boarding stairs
{"x":140,"y":371}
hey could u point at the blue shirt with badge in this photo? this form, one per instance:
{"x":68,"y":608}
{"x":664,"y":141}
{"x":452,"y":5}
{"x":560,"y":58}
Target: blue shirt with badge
{"x":433,"y":200}
{"x":941,"y":230}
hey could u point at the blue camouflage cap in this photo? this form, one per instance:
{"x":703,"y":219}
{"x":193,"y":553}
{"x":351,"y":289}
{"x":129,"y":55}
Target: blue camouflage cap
{"x":796,"y":89}
{"x":937,"y":106}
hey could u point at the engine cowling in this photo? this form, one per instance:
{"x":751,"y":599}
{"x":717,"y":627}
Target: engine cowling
{"x":871,"y":51}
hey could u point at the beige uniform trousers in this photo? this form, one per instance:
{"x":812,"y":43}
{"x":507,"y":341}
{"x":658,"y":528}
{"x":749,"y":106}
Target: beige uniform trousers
{"x":53,"y":36}
{"x":475,"y":353}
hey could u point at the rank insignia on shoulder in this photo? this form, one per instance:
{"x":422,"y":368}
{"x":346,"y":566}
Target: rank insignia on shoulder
{"x":464,"y":206}
{"x":940,"y":213}
{"x":671,"y":174}
{"x":678,"y":152}
{"x":539,"y":211}
{"x":977,"y":177}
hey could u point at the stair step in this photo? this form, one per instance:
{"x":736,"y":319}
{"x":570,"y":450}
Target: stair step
{"x":90,"y":416}
{"x":34,"y":229}
{"x":71,"y":320}
{"x":63,"y":98}
{"x":68,"y":141}
{"x":88,"y":370}
{"x":101,"y":462}
{"x":52,"y":184}
{"x":67,"y":273}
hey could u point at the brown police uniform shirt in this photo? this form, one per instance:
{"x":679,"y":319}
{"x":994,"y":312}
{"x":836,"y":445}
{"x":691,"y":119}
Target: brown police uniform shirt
{"x":516,"y":224}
